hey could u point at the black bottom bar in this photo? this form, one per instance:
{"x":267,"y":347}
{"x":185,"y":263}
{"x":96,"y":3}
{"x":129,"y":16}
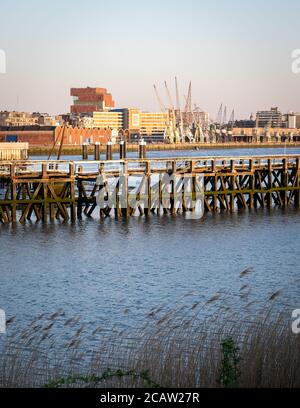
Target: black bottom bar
{"x":133,"y":397}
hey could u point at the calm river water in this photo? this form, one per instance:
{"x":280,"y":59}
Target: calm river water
{"x":112,"y":273}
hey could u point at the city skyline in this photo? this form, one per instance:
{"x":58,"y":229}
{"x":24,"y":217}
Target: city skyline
{"x":234,"y":54}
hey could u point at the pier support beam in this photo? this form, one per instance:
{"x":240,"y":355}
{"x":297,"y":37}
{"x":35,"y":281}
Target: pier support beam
{"x":72,"y":192}
{"x":284,"y":182}
{"x":142,"y":149}
{"x":84,"y":151}
{"x":232,"y":182}
{"x":97,"y":151}
{"x":109,"y":151}
{"x":123,"y":149}
{"x":297,"y":192}
{"x":270,"y":184}
{"x":13,"y":193}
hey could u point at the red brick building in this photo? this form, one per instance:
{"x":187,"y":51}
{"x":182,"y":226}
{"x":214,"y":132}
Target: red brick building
{"x":32,"y":136}
{"x":77,"y":136}
{"x":72,"y":135}
{"x":89,"y":100}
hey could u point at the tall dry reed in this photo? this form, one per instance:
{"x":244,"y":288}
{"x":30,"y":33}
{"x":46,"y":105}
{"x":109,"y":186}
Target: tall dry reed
{"x":178,"y":348}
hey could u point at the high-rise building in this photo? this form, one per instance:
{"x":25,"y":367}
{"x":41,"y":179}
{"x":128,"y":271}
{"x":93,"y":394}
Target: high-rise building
{"x":297,"y":120}
{"x":143,"y":123}
{"x":132,"y":119}
{"x":153,"y":123}
{"x":135,"y":121}
{"x":89,"y":100}
{"x":112,"y":120}
{"x":271,"y":118}
{"x":289,"y":121}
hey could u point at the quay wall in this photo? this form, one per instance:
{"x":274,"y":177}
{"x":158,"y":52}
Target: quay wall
{"x":70,"y":150}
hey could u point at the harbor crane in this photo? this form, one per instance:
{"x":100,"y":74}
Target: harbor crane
{"x":231,"y":119}
{"x":188,"y":105}
{"x":179,"y":118}
{"x":159,"y":100}
{"x":171,"y":133}
{"x":177,"y":95}
{"x":169,"y":96}
{"x":171,"y":104}
{"x":224,"y":120}
{"x":219,"y":115}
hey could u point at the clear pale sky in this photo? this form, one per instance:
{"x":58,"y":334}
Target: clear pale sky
{"x":235,"y":52}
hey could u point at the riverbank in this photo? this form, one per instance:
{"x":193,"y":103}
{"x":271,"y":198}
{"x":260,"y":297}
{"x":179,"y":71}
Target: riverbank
{"x":173,"y":349}
{"x":75,"y":150}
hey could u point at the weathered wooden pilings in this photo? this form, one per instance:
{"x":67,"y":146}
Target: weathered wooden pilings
{"x":97,"y":151}
{"x":84,"y":151}
{"x":109,"y":150}
{"x":109,"y":154}
{"x":41,"y":195}
{"x":123,"y":149}
{"x":142,"y":149}
{"x":45,"y":191}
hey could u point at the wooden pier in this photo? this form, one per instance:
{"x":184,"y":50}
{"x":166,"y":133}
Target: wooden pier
{"x":67,"y":190}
